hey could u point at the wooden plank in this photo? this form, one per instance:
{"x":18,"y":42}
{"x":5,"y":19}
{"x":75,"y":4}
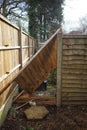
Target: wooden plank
{"x":37,"y":99}
{"x":5,"y":34}
{"x":25,"y":55}
{"x":14,"y":33}
{"x":74,"y":94}
{"x":74,"y":76}
{"x":77,"y":36}
{"x":1,"y":64}
{"x":77,"y":72}
{"x":59,"y":66}
{"x":78,"y":90}
{"x":74,"y":81}
{"x":75,"y":46}
{"x":75,"y":52}
{"x":0,"y":35}
{"x":74,"y":70}
{"x":9,"y":48}
{"x":6,"y":106}
{"x":25,"y":47}
{"x":75,"y":98}
{"x":24,"y":40}
{"x":71,"y":42}
{"x":74,"y":66}
{"x":74,"y":102}
{"x":76,"y":57}
{"x":7,"y":62}
{"x":75,"y":49}
{"x":80,"y":85}
{"x":30,"y":47}
{"x":69,"y":63}
{"x":20,"y":51}
{"x":18,"y":95}
{"x":1,"y":55}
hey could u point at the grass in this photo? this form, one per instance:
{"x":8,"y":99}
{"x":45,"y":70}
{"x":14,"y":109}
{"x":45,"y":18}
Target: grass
{"x":50,"y":87}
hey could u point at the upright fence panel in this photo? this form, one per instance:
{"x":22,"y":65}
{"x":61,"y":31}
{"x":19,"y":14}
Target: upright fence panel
{"x":74,"y":70}
{"x":14,"y":53}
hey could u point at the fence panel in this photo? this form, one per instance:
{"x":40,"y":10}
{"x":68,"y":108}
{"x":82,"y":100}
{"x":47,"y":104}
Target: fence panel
{"x":14,"y":45}
{"x":74,"y":70}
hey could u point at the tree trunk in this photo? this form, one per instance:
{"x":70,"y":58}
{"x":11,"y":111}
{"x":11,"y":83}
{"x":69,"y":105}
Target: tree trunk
{"x":40,"y":26}
{"x":44,"y":26}
{"x":4,"y":12}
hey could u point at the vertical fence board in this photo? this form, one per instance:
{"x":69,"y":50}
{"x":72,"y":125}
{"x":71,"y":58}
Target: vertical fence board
{"x":20,"y":51}
{"x":0,"y":35}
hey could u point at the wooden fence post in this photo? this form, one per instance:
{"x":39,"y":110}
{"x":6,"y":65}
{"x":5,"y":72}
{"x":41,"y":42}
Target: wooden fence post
{"x":20,"y":51}
{"x":59,"y":65}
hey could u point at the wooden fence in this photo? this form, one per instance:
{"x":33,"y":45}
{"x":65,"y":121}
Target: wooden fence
{"x":16,"y":48}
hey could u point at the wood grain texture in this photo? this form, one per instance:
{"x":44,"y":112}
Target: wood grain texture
{"x":74,"y":70}
{"x":38,"y":68}
{"x":11,"y":40}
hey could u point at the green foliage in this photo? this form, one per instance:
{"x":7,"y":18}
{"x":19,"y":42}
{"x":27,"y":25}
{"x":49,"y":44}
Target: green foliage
{"x":12,"y":110}
{"x":29,"y":128}
{"x":52,"y":78}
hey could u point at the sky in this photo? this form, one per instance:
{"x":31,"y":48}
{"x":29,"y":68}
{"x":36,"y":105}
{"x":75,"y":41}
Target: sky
{"x":74,"y":10}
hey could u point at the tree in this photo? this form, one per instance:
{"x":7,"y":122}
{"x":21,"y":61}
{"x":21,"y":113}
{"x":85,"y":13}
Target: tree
{"x":7,"y":7}
{"x":44,"y":17}
{"x":83,"y":24}
{"x":15,"y":11}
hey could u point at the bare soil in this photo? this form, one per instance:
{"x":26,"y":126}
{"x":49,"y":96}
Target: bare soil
{"x":63,"y":118}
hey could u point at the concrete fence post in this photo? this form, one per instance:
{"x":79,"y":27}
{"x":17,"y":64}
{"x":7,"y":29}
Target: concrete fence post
{"x":59,"y":67}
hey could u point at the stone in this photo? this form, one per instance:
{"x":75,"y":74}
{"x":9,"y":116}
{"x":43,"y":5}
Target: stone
{"x":36,"y":112}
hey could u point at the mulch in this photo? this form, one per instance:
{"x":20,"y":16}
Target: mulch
{"x":63,"y":118}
